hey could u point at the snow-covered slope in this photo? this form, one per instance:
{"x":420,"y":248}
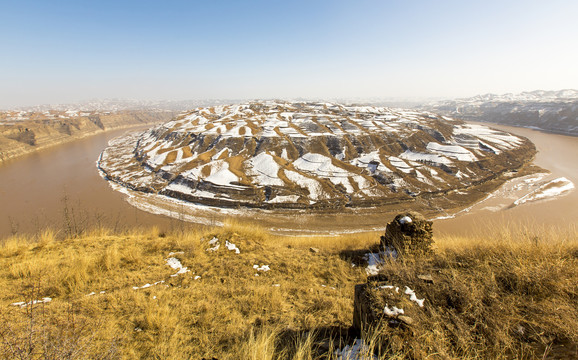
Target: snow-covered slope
{"x":297,"y":155}
{"x":555,"y":111}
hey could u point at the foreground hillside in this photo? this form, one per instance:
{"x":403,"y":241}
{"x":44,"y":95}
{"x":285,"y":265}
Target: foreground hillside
{"x":238,"y":293}
{"x":23,"y":132}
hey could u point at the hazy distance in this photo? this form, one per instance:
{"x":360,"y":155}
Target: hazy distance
{"x":68,"y":51}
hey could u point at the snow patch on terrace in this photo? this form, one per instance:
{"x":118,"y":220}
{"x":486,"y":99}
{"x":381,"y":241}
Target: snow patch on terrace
{"x":313,"y":186}
{"x":321,"y":166}
{"x":284,"y":199}
{"x":499,"y":139}
{"x":370,"y":161}
{"x":219,"y":174}
{"x":426,"y":158}
{"x":222,"y":175}
{"x":454,"y":151}
{"x":400,"y":164}
{"x":265,"y":170}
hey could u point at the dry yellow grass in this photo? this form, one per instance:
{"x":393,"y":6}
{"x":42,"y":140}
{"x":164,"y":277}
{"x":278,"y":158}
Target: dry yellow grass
{"x":301,"y":309}
{"x":171,"y":157}
{"x":186,"y":152}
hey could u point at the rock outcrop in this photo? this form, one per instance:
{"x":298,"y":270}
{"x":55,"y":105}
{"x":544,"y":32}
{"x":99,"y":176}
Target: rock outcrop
{"x":409,"y":233}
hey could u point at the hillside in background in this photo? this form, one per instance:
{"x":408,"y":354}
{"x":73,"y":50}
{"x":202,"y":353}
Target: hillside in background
{"x":553,"y":111}
{"x":22,"y":131}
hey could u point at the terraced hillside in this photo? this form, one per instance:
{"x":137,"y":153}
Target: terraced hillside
{"x":311,"y":155}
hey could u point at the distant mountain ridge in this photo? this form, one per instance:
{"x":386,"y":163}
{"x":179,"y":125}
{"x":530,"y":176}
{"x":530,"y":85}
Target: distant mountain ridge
{"x":536,"y":96}
{"x":552,"y":111}
{"x":109,"y":105}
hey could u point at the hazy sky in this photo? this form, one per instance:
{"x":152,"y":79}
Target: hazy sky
{"x":59,"y":51}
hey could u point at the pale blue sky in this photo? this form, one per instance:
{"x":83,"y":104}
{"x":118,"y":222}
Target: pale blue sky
{"x":59,"y":51}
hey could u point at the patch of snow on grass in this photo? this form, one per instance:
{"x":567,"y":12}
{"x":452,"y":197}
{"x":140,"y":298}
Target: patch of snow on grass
{"x":33,"y":302}
{"x":176,"y":264}
{"x":147,"y":285}
{"x":390,"y":287}
{"x":214,"y":242}
{"x":374,"y":260}
{"x":394,"y":311}
{"x":261,"y":268}
{"x":232,"y":247}
{"x":358,"y":351}
{"x":413,"y":296}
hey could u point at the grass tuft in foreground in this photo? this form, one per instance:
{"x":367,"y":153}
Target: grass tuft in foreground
{"x":510,"y":295}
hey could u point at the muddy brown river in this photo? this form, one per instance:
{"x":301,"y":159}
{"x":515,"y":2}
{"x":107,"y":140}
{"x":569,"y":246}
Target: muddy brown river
{"x":557,"y":153}
{"x":61,"y":188}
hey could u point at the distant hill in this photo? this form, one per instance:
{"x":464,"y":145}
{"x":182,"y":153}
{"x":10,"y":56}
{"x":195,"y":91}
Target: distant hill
{"x":115,"y":105}
{"x":23,"y":132}
{"x":552,"y":111}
